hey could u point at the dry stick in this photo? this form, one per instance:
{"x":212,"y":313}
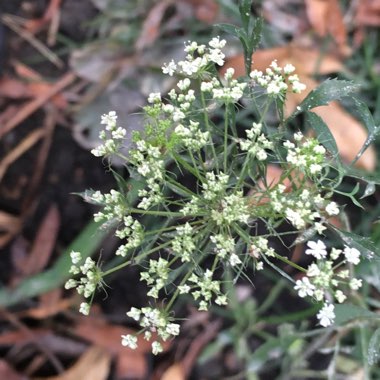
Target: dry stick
{"x":21,"y":326}
{"x":11,"y":23}
{"x":49,"y":126}
{"x":19,"y":150}
{"x":32,"y":106}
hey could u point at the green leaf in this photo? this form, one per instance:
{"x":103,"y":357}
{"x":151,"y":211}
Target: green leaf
{"x":347,"y":312}
{"x":366,"y":116}
{"x":374,"y":348}
{"x":245,"y":12}
{"x":230,"y":29}
{"x":256,"y":33}
{"x":350,"y":171}
{"x":87,"y":243}
{"x":324,"y":136}
{"x":330,"y":89}
{"x":361,"y":243}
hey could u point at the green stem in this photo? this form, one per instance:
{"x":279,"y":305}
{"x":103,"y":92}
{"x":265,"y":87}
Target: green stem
{"x":208,"y":127}
{"x":141,"y":256}
{"x":225,"y":138}
{"x":155,"y":212}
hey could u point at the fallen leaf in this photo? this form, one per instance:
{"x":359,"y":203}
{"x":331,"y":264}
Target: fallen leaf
{"x":151,"y":26}
{"x":174,"y":372}
{"x":13,"y":88}
{"x":94,"y":364}
{"x":205,"y":10}
{"x":30,"y":107}
{"x":367,"y":14}
{"x":326,"y":17}
{"x":7,"y":372}
{"x":129,"y":363}
{"x":349,"y":133}
{"x":10,"y":225}
{"x":43,"y":244}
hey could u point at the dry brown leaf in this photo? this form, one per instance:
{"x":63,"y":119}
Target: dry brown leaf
{"x":326,"y":18}
{"x":129,"y":362}
{"x":13,"y":88}
{"x":8,"y":373}
{"x":349,"y":132}
{"x":43,"y":244}
{"x":33,"y":105}
{"x":174,"y":372}
{"x":19,"y":150}
{"x":10,"y":226}
{"x":205,"y":10}
{"x":94,"y":364}
{"x":151,"y":27}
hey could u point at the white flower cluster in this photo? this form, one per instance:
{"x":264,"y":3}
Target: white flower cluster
{"x":231,"y":92}
{"x":198,"y":58}
{"x":257,"y":142}
{"x":152,"y":321}
{"x":156,"y":276}
{"x":85,"y":285}
{"x":113,"y":206}
{"x":183,"y":243}
{"x":323,"y":281}
{"x":277,"y":80}
{"x":133,"y":231}
{"x":231,"y":208}
{"x":207,"y":288}
{"x":191,"y":136}
{"x":298,"y":207}
{"x":306,"y":155}
{"x":148,"y":162}
{"x":112,"y":137}
{"x":225,"y":246}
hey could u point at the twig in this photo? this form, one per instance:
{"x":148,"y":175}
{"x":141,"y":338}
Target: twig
{"x":32,"y":106}
{"x":11,"y":23}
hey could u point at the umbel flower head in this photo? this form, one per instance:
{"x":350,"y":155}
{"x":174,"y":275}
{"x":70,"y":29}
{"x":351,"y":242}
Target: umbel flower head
{"x":198,"y":190}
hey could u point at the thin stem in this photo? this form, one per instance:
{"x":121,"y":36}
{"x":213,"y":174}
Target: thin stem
{"x":142,"y":255}
{"x":208,"y":127}
{"x":225,"y":139}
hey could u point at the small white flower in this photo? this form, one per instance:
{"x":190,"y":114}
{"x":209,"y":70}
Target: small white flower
{"x":352,"y":255}
{"x":304,"y":287}
{"x":234,"y":259}
{"x":129,"y":341}
{"x":289,"y":68}
{"x":340,"y":296}
{"x":154,"y":97}
{"x":332,"y":208}
{"x":316,"y":249}
{"x":172,"y":329}
{"x":76,"y":257}
{"x":169,"y":68}
{"x":326,"y":315}
{"x":156,"y":348}
{"x":84,"y":308}
{"x":356,"y":284}
{"x":134,"y":313}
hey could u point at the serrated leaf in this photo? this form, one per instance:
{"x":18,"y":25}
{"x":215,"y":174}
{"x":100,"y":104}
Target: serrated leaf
{"x":322,"y":131}
{"x":255,"y":37}
{"x":230,"y":29}
{"x":245,"y":12}
{"x":348,"y":312}
{"x":327,"y":91}
{"x":361,"y":243}
{"x":374,"y":348}
{"x":349,"y":171}
{"x":365,"y":115}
